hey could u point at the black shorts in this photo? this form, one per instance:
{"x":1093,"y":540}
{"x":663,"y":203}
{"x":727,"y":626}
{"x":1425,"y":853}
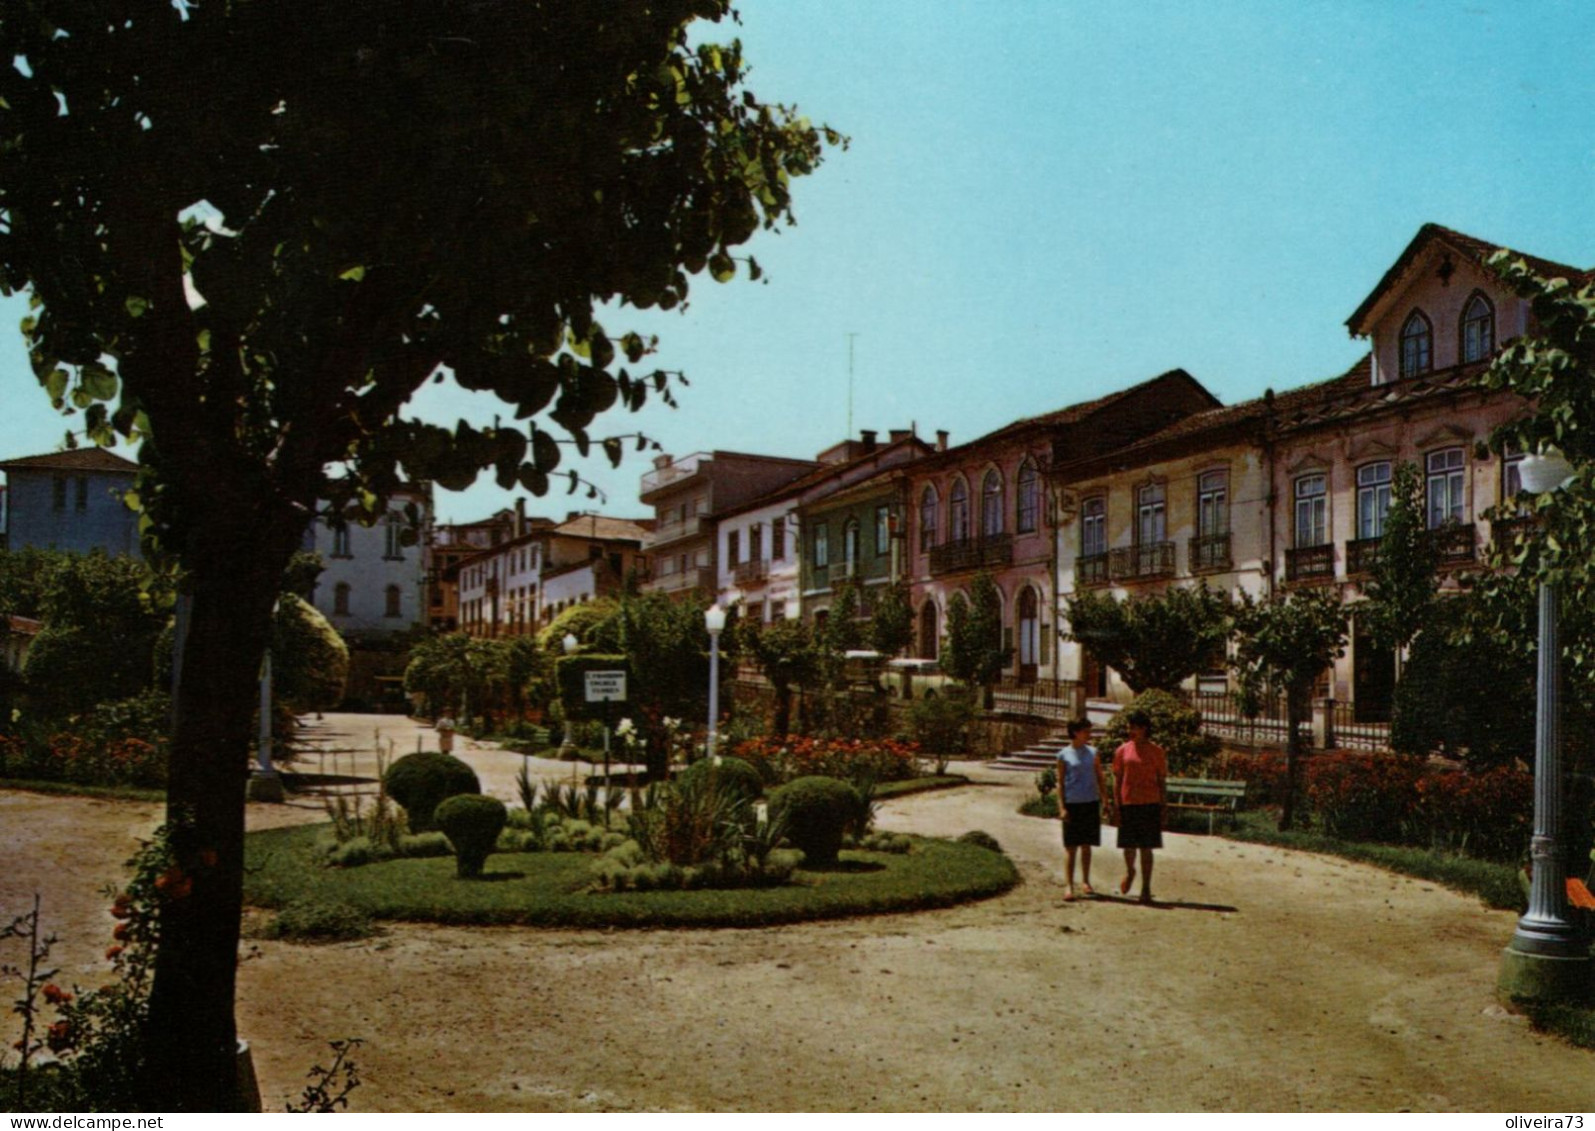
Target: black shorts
{"x":1140,"y":826}
{"x":1084,"y":826}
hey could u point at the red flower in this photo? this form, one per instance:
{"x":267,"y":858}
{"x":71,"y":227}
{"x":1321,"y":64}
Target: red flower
{"x":120,"y":934}
{"x":55,"y":995}
{"x":113,"y":952}
{"x":60,"y":1037}
{"x":173,"y":883}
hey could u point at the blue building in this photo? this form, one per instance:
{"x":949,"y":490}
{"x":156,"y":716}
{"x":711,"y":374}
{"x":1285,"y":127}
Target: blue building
{"x":71,"y":501}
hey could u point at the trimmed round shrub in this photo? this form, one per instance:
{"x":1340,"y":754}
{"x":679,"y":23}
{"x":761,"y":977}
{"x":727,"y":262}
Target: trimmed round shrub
{"x":421,"y":782}
{"x":472,"y":823}
{"x":817,"y":811}
{"x":982,"y":838}
{"x":1176,"y":726}
{"x":732,"y":775}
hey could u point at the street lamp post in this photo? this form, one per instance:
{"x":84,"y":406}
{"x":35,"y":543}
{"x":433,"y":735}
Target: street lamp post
{"x":570,"y":644}
{"x":714,"y":619}
{"x":1545,"y":959}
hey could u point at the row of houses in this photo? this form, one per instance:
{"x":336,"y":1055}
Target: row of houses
{"x":1151,"y":486}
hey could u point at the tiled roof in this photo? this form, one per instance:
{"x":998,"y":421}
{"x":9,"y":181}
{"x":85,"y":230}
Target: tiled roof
{"x":78,"y":459}
{"x":1290,"y":406}
{"x":1072,"y":414}
{"x":599,"y":526}
{"x":1477,"y":250}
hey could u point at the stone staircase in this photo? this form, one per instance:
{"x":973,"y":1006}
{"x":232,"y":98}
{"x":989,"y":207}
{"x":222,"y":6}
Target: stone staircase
{"x":1038,"y":756}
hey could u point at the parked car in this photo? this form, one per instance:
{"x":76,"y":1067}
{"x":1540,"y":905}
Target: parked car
{"x":916,"y":678}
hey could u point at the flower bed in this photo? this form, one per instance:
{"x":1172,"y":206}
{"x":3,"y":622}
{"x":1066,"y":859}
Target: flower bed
{"x":855,"y":760}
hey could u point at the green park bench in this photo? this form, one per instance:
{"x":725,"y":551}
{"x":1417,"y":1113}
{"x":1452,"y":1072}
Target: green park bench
{"x":1210,"y":797}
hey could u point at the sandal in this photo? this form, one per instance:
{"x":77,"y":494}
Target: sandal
{"x":1088,"y":890}
{"x":1146,"y":897}
{"x":1068,"y":893}
{"x":1127,"y":883}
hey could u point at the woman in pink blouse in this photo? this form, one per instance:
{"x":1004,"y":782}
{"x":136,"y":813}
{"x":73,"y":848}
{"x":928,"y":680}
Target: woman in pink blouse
{"x":1140,"y":771}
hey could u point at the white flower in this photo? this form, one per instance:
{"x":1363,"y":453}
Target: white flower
{"x":625,"y":728}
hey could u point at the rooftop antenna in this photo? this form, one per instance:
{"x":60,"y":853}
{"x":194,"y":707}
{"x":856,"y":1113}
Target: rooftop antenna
{"x":851,"y":335}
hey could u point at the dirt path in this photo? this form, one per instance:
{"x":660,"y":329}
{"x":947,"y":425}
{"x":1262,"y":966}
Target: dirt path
{"x":1270,"y":981}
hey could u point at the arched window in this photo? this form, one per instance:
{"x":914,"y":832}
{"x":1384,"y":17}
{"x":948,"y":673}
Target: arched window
{"x":928,"y":504}
{"x":340,"y":599}
{"x":1028,"y":616}
{"x":1478,"y":329}
{"x":1417,"y":345}
{"x":394,"y":599}
{"x":958,"y":512}
{"x":340,"y":542}
{"x":850,"y":546}
{"x":991,"y":504}
{"x":1028,"y":514}
{"x":393,"y":542}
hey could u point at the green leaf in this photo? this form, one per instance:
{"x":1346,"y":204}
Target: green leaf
{"x":97,"y":381}
{"x":136,"y":306}
{"x":354,"y":274}
{"x":722,"y":267}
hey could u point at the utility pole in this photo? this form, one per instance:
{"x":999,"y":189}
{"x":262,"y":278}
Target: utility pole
{"x":849,"y":433}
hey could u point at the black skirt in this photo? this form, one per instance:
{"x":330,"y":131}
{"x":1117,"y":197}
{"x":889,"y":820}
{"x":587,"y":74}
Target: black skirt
{"x":1084,"y":826}
{"x":1141,"y":826}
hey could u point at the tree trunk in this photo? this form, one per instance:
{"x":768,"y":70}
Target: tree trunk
{"x":192,"y":1033}
{"x":1293,"y":720}
{"x":782,"y":724}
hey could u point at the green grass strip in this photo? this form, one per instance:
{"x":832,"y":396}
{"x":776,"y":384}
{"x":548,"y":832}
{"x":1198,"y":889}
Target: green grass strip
{"x":76,"y":789}
{"x":1496,"y":884}
{"x":1575,"y":1024}
{"x":888,"y":789}
{"x":551,"y":889}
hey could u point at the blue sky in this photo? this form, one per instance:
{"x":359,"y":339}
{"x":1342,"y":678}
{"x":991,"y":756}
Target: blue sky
{"x":1046,"y":201}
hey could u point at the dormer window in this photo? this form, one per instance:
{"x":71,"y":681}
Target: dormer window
{"x":1417,"y":345}
{"x":1478,"y":329}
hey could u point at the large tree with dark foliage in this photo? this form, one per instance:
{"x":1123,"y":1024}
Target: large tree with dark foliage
{"x":251,"y":231}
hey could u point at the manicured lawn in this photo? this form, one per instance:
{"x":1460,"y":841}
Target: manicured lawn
{"x":1496,"y":884}
{"x":550,"y":888}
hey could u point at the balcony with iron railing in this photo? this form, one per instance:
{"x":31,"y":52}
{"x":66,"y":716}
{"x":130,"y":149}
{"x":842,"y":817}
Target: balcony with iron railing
{"x":1090,"y":570}
{"x":1509,"y":533}
{"x":1145,"y":562}
{"x":698,"y":578}
{"x":751,"y":573}
{"x":1362,"y":554}
{"x":1456,"y":543}
{"x":1310,"y":563}
{"x":667,"y":532}
{"x":1210,"y":553}
{"x":990,"y":551}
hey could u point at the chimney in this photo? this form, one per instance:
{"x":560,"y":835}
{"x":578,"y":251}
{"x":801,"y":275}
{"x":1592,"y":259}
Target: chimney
{"x":662,"y":461}
{"x":899,"y":434}
{"x":572,"y":516}
{"x":868,"y":436}
{"x":941,"y":439}
{"x":520,"y":515}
